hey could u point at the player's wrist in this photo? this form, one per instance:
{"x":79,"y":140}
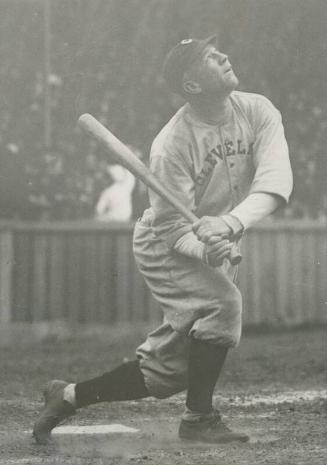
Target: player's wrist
{"x":234,"y":224}
{"x":189,"y":245}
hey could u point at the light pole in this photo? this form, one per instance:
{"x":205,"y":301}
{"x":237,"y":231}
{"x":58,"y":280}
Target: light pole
{"x":46,"y":73}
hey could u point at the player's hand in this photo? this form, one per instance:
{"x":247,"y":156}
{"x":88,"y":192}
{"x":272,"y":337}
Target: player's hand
{"x":216,"y":250}
{"x":209,"y":226}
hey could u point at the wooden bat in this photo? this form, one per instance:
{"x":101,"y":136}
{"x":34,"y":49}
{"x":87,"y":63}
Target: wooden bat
{"x":125,"y":157}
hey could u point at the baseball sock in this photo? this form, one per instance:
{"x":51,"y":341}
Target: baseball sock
{"x":205,"y":364}
{"x":126,"y":382}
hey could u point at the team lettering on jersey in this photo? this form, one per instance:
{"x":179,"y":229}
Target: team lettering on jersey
{"x":219,"y":152}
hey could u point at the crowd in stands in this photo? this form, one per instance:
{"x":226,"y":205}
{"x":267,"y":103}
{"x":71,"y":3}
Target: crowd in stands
{"x":116,"y":77}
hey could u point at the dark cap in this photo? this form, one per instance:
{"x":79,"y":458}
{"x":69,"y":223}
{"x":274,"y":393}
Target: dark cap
{"x":181,"y":57}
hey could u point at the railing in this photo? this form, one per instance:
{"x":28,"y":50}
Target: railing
{"x":83,"y":273}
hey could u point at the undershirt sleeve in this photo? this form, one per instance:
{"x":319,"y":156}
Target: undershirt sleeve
{"x":256,"y":207}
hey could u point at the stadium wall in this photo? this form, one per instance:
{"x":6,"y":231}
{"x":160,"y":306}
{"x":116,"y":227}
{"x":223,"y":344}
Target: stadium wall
{"x":84,"y":273}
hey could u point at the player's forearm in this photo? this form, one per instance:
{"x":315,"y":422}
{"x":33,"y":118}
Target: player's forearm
{"x":212,"y":253}
{"x":256,"y":207}
{"x":190,"y":246}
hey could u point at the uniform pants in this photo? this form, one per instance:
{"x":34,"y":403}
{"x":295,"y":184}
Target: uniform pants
{"x":196,"y":300}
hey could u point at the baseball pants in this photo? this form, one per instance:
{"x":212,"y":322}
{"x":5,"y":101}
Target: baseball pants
{"x":196,"y":300}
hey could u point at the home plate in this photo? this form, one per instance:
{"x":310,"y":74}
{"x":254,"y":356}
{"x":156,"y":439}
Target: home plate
{"x":94,"y":429}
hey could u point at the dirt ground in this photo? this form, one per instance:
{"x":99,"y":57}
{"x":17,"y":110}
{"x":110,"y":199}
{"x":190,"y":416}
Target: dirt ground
{"x":274,"y":387}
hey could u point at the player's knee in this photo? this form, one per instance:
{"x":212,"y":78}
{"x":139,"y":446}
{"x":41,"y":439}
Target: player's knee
{"x":162,"y":386}
{"x":222,"y":325}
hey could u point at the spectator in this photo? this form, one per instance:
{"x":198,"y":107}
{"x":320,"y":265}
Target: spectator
{"x":115,"y":202}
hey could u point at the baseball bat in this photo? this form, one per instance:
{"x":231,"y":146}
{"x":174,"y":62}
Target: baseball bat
{"x":125,"y":157}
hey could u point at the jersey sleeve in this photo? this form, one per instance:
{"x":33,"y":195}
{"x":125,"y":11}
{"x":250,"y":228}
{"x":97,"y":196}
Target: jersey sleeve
{"x":273,"y":173}
{"x":175,"y":175}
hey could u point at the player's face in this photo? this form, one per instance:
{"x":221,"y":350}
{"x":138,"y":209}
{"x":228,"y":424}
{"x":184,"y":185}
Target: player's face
{"x":213,"y":72}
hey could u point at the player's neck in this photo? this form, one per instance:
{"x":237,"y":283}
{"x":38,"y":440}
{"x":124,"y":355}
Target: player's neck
{"x":211,"y":109}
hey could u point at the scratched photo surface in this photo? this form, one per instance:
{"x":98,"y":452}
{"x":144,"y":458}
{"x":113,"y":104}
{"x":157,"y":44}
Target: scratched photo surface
{"x":163,"y":232}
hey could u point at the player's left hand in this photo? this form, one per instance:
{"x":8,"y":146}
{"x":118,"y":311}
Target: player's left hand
{"x":216,"y":250}
{"x":209,"y":226}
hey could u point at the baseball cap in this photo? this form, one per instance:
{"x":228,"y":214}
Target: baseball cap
{"x":180,"y":58}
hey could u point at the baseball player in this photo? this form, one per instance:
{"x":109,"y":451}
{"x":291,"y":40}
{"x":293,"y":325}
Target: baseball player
{"x":224,"y":155}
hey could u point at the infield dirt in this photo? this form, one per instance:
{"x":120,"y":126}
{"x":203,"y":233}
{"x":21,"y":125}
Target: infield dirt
{"x":274,"y":387}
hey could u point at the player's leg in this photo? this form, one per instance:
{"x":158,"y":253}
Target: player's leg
{"x":173,"y":361}
{"x":201,"y":422}
{"x":205,"y":364}
{"x":216,"y":331}
{"x":202,"y":306}
{"x":126,"y":382}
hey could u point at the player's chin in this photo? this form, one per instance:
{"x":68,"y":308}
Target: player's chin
{"x":231,"y":81}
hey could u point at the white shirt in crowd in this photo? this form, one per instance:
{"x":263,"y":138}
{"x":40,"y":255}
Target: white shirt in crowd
{"x":115,"y":202}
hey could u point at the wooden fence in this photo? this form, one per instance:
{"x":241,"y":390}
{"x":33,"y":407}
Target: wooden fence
{"x":83,"y":273}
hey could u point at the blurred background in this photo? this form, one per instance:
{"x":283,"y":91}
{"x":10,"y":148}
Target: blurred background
{"x":61,"y":58}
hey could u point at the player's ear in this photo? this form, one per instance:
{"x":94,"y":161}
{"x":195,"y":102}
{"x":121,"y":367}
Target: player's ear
{"x":191,"y":87}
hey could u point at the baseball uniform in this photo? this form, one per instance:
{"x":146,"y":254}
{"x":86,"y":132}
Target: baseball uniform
{"x":213,"y":169}
{"x":230,"y":173}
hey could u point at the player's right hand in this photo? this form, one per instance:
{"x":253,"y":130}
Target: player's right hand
{"x":210,"y":226}
{"x":216,"y":250}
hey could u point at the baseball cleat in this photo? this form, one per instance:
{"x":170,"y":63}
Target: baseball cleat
{"x":55,"y":410}
{"x":210,"y":430}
